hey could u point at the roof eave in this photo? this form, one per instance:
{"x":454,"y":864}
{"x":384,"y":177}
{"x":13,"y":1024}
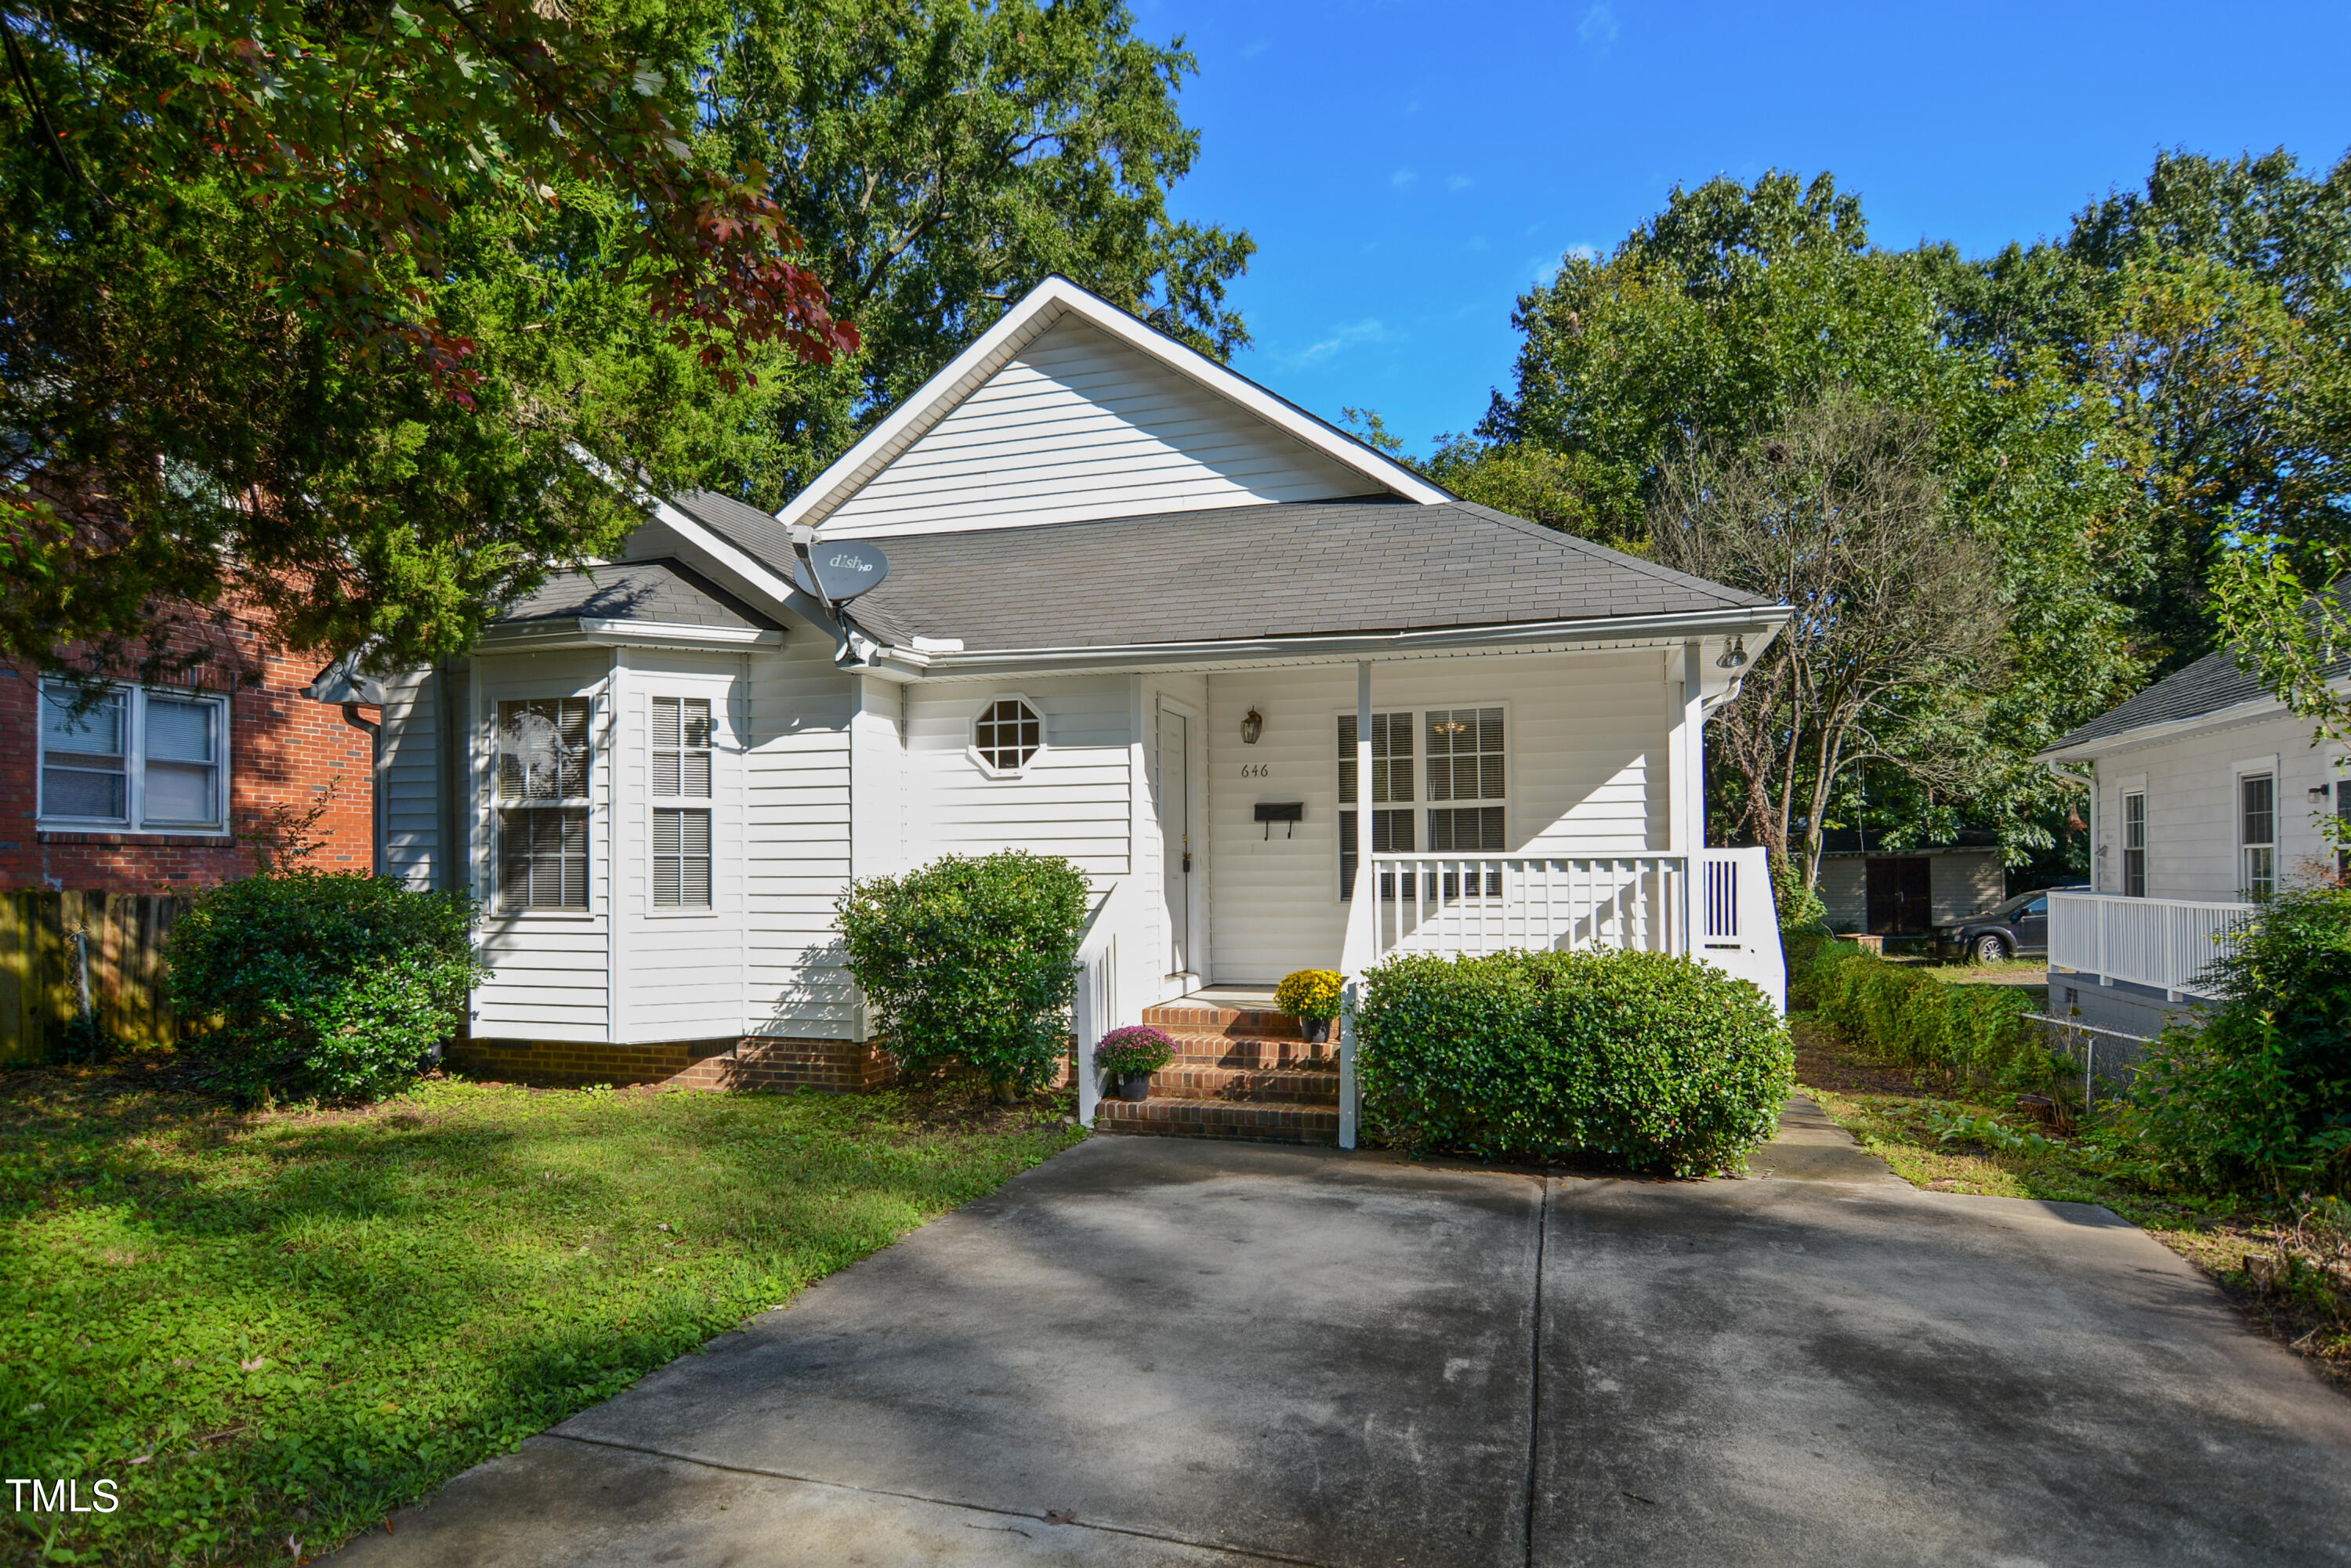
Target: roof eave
{"x":1343,"y":647}
{"x":597,"y":632}
{"x":2147,"y":733}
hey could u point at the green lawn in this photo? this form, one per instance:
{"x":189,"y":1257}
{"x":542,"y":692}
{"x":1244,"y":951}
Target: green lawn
{"x":284,"y":1325}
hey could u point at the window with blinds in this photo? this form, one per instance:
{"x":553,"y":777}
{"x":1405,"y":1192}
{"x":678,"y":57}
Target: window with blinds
{"x":1466,"y":763}
{"x":545,"y":756}
{"x":681,"y":858}
{"x":682,"y":736}
{"x":1392,"y":786}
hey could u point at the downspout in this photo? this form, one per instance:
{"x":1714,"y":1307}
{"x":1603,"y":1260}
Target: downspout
{"x":357,"y":720}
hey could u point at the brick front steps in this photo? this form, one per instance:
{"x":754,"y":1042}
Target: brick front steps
{"x":1237,"y":1074}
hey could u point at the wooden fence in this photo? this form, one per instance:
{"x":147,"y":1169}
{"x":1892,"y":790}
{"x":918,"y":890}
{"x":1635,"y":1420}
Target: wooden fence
{"x":41,"y":968}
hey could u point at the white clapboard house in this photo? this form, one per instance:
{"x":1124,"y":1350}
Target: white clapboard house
{"x":1285,"y":702}
{"x":2207,"y":794}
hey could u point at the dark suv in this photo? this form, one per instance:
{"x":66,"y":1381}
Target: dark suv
{"x":2018,"y":927}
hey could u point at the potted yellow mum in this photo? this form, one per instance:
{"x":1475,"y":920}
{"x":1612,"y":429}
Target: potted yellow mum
{"x":1311,"y":997}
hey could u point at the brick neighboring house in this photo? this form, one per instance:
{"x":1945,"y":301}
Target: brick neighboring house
{"x":149,"y":791}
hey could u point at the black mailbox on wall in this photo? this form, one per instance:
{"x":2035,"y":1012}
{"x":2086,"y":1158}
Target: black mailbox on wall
{"x":1271,"y":811}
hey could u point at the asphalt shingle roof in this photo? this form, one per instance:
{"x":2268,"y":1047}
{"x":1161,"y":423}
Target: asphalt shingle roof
{"x":2212,"y":683}
{"x":1288,"y":569}
{"x":653,"y":591}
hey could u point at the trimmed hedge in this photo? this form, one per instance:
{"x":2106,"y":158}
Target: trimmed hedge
{"x":1642,"y":1059}
{"x":1904,"y":1015}
{"x":323,"y":983}
{"x":971,"y":960}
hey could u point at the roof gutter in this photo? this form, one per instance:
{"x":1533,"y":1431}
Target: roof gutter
{"x":907,"y":664}
{"x":592,"y":631}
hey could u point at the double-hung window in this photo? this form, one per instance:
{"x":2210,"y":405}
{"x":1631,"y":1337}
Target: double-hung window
{"x":1466,"y":765}
{"x":2135,"y":845}
{"x":681,"y":749}
{"x":2257,"y":832}
{"x":1392,"y":766}
{"x":544,"y":764}
{"x":133,"y":759}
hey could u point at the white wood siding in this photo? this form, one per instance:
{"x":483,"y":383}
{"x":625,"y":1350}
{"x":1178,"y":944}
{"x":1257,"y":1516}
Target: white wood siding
{"x":1080,"y":426}
{"x":679,"y":973}
{"x":797,"y":848}
{"x":2191,"y":808}
{"x":1587,"y":738}
{"x":551,"y":967}
{"x":1075,"y":798}
{"x":409,"y":780}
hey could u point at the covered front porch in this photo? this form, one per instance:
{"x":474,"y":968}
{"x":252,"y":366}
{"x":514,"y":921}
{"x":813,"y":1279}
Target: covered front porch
{"x":1326,"y":816}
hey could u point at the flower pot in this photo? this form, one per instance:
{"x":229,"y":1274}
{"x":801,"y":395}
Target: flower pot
{"x":1316,"y":1030}
{"x":1134,"y":1086}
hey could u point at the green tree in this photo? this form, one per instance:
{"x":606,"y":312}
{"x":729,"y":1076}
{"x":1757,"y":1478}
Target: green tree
{"x":943,"y":158}
{"x":2204,"y":321}
{"x":262,"y":287}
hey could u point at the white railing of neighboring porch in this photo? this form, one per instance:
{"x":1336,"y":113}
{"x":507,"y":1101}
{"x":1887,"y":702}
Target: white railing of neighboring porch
{"x":2164,"y":943}
{"x":1476,"y":904}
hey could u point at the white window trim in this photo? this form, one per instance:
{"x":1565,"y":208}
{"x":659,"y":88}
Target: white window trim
{"x":2254,"y":767}
{"x":971,"y":735}
{"x":1421,"y":804}
{"x":134,"y":762}
{"x":659,"y":685}
{"x":2122,"y":832}
{"x":491,"y":848}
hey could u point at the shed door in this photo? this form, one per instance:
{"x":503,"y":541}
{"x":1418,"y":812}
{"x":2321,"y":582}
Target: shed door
{"x":1176,"y":834}
{"x":1900,"y":895}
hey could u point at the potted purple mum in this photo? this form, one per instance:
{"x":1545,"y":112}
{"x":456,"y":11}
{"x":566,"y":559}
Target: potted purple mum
{"x":1131,"y":1055}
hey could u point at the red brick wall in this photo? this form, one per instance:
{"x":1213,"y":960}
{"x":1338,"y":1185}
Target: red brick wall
{"x":282,"y":746}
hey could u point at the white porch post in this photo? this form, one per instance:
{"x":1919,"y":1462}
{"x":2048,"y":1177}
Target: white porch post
{"x":1355,"y":953}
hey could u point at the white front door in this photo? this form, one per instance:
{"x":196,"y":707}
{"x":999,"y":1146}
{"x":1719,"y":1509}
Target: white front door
{"x":1176,"y":834}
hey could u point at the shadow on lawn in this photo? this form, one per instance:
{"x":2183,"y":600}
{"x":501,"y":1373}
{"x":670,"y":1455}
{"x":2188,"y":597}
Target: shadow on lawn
{"x":303,"y":1319}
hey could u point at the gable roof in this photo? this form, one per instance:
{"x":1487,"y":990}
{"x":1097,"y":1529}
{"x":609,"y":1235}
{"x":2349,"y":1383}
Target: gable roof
{"x":2211,"y":686}
{"x":1051,"y":302}
{"x":664,"y":592}
{"x":1240,"y":573}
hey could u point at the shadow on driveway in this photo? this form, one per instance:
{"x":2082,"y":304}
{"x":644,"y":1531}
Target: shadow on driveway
{"x":1157,"y":1351}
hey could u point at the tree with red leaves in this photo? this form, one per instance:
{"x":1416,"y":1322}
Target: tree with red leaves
{"x":309,"y":306}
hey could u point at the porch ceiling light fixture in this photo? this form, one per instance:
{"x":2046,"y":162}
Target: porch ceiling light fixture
{"x":1734,"y":656}
{"x":1252,"y":725}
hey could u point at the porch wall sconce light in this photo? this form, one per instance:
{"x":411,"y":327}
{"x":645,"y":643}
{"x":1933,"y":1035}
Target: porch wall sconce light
{"x":1252,"y":725}
{"x":1734,"y":656}
{"x":2320,"y":791}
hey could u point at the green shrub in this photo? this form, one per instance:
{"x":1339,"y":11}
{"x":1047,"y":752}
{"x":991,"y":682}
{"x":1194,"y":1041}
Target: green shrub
{"x":2259,"y":1095}
{"x":972,"y":961}
{"x":323,"y":984}
{"x":1904,"y":1015}
{"x":1639,"y":1059}
{"x":1803,"y":917}
{"x":1309,"y":993}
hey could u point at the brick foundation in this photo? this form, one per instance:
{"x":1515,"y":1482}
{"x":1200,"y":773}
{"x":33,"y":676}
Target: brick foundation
{"x":755,"y":1062}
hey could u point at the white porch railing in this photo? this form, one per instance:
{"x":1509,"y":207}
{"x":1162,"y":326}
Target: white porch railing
{"x":1096,"y":1009}
{"x":2161,"y":942}
{"x":1470,"y":905}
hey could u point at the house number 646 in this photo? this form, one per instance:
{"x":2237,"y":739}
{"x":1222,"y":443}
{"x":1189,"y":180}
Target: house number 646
{"x":1257,"y":769}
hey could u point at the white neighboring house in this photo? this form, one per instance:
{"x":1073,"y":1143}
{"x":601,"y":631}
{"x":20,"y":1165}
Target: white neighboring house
{"x":1140,"y":613}
{"x":2207,"y":792}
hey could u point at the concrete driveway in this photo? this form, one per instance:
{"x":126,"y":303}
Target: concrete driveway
{"x":1156,"y":1352}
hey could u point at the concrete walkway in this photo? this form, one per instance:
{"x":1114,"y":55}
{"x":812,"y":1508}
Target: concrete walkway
{"x":1160,"y":1351}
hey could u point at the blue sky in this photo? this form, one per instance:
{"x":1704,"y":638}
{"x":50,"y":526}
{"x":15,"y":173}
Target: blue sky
{"x":1409,"y":168}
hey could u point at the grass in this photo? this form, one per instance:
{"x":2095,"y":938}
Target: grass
{"x":2288,"y":1271}
{"x":272,"y":1329}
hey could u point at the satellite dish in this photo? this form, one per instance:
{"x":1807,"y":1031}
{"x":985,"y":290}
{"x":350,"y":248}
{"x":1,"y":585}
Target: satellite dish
{"x":843,"y":570}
